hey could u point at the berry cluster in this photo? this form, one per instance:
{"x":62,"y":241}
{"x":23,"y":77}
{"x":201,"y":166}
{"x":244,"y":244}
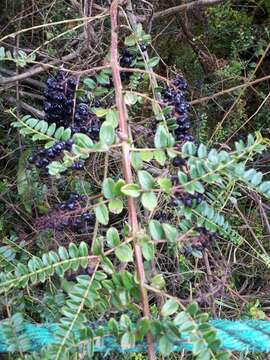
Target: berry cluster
{"x":203,"y":240}
{"x":126,"y":61}
{"x":42,"y":157}
{"x":85,"y":122}
{"x":175,"y":96}
{"x":59,"y":95}
{"x":71,"y":214}
{"x":187,"y":199}
{"x":75,"y":203}
{"x":63,"y":108}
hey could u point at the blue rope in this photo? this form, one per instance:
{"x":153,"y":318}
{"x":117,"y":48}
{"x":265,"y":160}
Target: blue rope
{"x":242,"y":336}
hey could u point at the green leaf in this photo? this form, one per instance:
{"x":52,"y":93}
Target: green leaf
{"x":163,"y":138}
{"x":113,"y":326}
{"x":90,"y":83}
{"x":170,"y":232}
{"x":112,"y":118}
{"x":97,"y":246}
{"x":103,"y":78}
{"x":160,"y":156}
{"x":170,"y":307}
{"x":83,"y":249}
{"x":197,"y":186}
{"x":202,"y":151}
{"x":192,"y":309}
{"x":156,"y":230}
{"x":149,"y":200}
{"x":112,"y":237}
{"x":189,"y":148}
{"x":124,"y":253}
{"x":148,"y":250}
{"x":51,"y":129}
{"x":165,"y":185}
{"x":130,"y":40}
{"x":130,"y":98}
{"x":165,"y":345}
{"x":153,"y":62}
{"x":128,"y":341}
{"x":107,"y":265}
{"x":107,"y":188}
{"x":118,"y":186}
{"x":55,"y":168}
{"x":100,"y":112}
{"x":24,"y":183}
{"x":83,"y":140}
{"x":102,"y":214}
{"x":136,"y":160}
{"x":147,"y":156}
{"x":132,"y":190}
{"x":116,"y":206}
{"x":158,"y":281}
{"x":146,"y":180}
{"x":106,"y":133}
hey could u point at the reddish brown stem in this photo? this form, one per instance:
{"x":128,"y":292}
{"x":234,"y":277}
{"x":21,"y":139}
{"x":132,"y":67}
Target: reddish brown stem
{"x":123,"y":126}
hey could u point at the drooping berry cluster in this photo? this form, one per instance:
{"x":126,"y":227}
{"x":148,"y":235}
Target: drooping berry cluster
{"x":41,"y":158}
{"x":176,"y":97}
{"x":85,"y":122}
{"x":71,"y":214}
{"x":75,"y":203}
{"x":63,"y":108}
{"x":59,"y":95}
{"x":203,"y":240}
{"x":184,"y":198}
{"x":126,"y":61}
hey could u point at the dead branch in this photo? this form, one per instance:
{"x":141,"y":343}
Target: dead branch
{"x":37,"y":113}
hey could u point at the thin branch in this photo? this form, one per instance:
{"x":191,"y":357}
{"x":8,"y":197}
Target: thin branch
{"x":37,"y":113}
{"x":184,"y":7}
{"x":33,"y":82}
{"x":227,"y":91}
{"x":127,"y":167}
{"x":37,"y":70}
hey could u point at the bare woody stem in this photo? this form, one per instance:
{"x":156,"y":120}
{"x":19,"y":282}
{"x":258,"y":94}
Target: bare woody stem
{"x":123,"y":126}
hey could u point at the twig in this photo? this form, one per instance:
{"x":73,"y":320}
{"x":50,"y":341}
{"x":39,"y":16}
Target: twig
{"x":36,"y":83}
{"x":37,"y":70}
{"x":127,"y":167}
{"x":184,"y":7}
{"x":37,"y":113}
{"x":227,"y":91}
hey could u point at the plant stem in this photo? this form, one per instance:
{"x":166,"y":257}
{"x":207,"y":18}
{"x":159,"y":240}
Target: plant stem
{"x":123,"y":126}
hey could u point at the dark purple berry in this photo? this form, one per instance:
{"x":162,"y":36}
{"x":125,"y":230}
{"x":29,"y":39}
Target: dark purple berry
{"x":143,"y":47}
{"x":31,"y":159}
{"x":70,"y":206}
{"x":74,"y":196}
{"x":175,"y":179}
{"x":188,"y":202}
{"x":178,"y":161}
{"x":176,"y":202}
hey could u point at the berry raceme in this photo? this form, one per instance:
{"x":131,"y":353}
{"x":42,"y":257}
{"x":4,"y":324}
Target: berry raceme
{"x":175,"y":96}
{"x":41,"y":158}
{"x":71,"y":214}
{"x":59,"y":94}
{"x":64,"y":109}
{"x":202,"y":241}
{"x":126,"y":61}
{"x":70,"y":219}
